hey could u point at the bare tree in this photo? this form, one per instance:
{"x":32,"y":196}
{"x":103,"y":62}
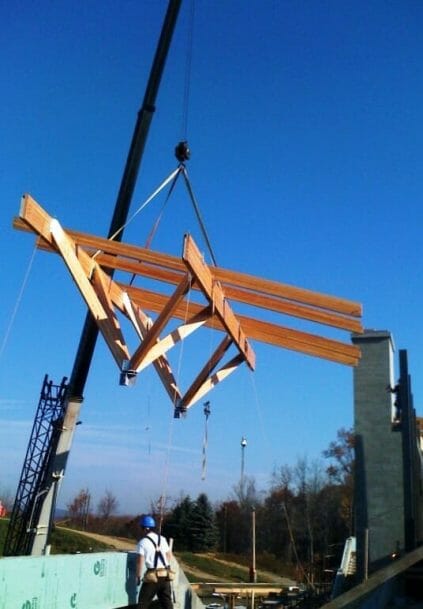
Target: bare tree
{"x":79,"y":508}
{"x":107,"y":505}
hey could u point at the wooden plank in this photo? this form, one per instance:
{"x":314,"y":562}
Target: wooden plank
{"x":142,"y":324}
{"x":142,"y":256}
{"x":215,"y":379}
{"x":102,"y":282}
{"x":251,"y":298}
{"x":32,"y":215}
{"x":212,"y":290}
{"x":180,"y":333}
{"x":255,"y":329}
{"x":163,"y":318}
{"x":205,"y":372}
{"x":234,"y":278}
{"x":51,"y":231}
{"x":103,"y":319}
{"x":267,"y":332}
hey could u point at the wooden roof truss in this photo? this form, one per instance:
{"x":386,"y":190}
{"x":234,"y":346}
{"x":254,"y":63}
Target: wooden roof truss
{"x":89,"y":259}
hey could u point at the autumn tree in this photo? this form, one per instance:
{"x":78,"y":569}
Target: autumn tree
{"x":230,"y":527}
{"x":274,"y":535}
{"x":341,"y":473}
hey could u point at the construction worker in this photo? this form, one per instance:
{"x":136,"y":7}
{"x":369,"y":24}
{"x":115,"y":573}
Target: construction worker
{"x":154,"y":554}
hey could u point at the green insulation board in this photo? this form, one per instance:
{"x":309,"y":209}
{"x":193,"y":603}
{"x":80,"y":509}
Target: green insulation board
{"x":80,"y":581}
{"x":103,"y":580}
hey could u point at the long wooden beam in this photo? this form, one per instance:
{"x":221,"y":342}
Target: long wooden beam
{"x":142,"y":261}
{"x":99,"y":305}
{"x":256,"y":299}
{"x":214,"y":293}
{"x":245,"y":288}
{"x":255,"y":329}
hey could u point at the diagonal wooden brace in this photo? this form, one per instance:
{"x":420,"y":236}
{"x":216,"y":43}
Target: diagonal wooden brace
{"x":214,"y":293}
{"x":154,"y":332}
{"x":209,"y":382}
{"x":202,"y":378}
{"x":174,"y":337}
{"x":142,"y":323}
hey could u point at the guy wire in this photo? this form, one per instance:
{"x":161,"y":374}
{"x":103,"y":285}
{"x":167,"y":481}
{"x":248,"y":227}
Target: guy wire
{"x":18,"y":300}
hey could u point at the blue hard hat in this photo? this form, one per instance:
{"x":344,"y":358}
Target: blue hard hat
{"x":147,"y":522}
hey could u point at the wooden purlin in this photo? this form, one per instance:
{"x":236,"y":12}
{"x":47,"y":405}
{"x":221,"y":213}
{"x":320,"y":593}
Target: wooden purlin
{"x":255,"y":329}
{"x":269,"y":294}
{"x":255,"y":291}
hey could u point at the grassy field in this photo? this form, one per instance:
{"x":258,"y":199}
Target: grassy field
{"x":62,"y":542}
{"x":217,"y":570}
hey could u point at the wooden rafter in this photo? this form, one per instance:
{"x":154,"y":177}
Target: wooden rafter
{"x":90,"y":259}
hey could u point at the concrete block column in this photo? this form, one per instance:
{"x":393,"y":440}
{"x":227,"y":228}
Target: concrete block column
{"x":379,"y":502}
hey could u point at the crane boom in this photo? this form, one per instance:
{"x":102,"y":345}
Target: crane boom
{"x":44,"y":495}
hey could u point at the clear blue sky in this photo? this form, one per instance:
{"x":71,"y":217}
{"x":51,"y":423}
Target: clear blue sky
{"x":305,"y":126}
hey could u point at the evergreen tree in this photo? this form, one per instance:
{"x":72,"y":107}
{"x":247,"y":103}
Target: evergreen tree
{"x":204,"y":532}
{"x":178,"y":524}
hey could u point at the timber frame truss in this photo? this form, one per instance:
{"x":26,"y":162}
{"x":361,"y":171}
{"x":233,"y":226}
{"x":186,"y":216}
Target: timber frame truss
{"x":90,"y":259}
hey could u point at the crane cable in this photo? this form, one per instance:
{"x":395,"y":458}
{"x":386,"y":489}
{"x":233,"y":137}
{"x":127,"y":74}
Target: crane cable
{"x":171,"y":425}
{"x":188,"y":72}
{"x":198,"y":214}
{"x":184,"y":128}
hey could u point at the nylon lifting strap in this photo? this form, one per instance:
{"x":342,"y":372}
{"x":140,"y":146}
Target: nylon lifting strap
{"x":198,"y":214}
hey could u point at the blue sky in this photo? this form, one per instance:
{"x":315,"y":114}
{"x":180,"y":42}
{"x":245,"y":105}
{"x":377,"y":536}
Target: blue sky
{"x":305,"y":126}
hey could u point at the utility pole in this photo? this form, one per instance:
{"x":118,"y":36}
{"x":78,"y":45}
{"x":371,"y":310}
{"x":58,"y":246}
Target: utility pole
{"x":82,"y":363}
{"x":253,"y":572}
